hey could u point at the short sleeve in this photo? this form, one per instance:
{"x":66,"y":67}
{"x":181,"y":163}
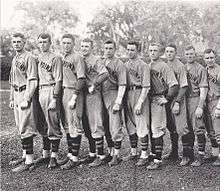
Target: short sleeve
{"x":145,"y":81}
{"x":183,"y":77}
{"x":122,"y":73}
{"x":57,"y":69}
{"x":80,"y":68}
{"x":203,"y":78}
{"x":32,"y":73}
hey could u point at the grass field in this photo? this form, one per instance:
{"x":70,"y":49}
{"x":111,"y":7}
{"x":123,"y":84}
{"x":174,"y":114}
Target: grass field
{"x":122,"y":177}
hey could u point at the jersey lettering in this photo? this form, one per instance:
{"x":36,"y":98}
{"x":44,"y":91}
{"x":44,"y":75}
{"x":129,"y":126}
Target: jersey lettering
{"x":45,"y":66}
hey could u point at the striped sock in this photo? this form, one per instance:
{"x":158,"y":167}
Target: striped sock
{"x":201,"y":142}
{"x":144,"y":143}
{"x":55,"y":145}
{"x":100,"y":145}
{"x":46,"y":143}
{"x":76,"y":145}
{"x":158,"y":147}
{"x":133,"y":140}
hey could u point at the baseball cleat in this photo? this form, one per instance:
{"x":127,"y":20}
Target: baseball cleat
{"x":63,"y":161}
{"x":210,"y":159}
{"x":217,"y":162}
{"x":154,"y":166}
{"x":87,"y":160}
{"x":69,"y":165}
{"x":24,"y":167}
{"x":185,"y":161}
{"x":198,"y":162}
{"x":142,"y":162}
{"x":42,"y":161}
{"x":97,"y":162}
{"x":115,"y":161}
{"x":130,"y":157}
{"x":53,"y":163}
{"x":16,"y":162}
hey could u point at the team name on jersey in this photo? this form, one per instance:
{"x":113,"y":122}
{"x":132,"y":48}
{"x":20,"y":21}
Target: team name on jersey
{"x":212,"y":78}
{"x":46,"y":66}
{"x":112,"y":73}
{"x":20,"y":65}
{"x":68,"y":65}
{"x":159,"y":76}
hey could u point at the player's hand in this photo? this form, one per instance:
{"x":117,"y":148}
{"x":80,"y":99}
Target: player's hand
{"x":217,"y":113}
{"x":91,"y":89}
{"x":11,"y":104}
{"x":52,"y":104}
{"x":199,"y":112}
{"x":116,"y":108}
{"x":72,"y":104}
{"x":162,"y":101}
{"x":138,"y":108}
{"x":24,"y":105}
{"x":176,"y":108}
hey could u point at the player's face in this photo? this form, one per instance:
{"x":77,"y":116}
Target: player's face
{"x":132,"y":51}
{"x":67,"y":45}
{"x":170,"y":53}
{"x":190,"y":55}
{"x":154,"y":52}
{"x":109,"y":50}
{"x":86,"y":48}
{"x":44,"y":44}
{"x":209,"y":58}
{"x":18,"y":44}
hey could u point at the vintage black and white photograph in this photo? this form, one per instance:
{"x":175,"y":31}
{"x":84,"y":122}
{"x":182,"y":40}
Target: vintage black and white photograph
{"x":110,"y":95}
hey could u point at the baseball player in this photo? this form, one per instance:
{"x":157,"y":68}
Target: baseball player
{"x":72,"y":100}
{"x":213,"y":98}
{"x":23,"y":81}
{"x":196,"y":96}
{"x":50,"y":82}
{"x":162,"y":72}
{"x":137,"y":101}
{"x":96,"y":74}
{"x":113,"y":91}
{"x":176,"y":110}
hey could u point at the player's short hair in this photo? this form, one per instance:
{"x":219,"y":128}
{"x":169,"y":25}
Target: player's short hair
{"x":172,"y":45}
{"x":45,"y":36}
{"x":69,"y":36}
{"x":190,"y":47}
{"x":209,"y":50}
{"x":159,"y":45}
{"x":15,"y":35}
{"x":110,"y":41}
{"x":88,"y":40}
{"x":134,"y":42}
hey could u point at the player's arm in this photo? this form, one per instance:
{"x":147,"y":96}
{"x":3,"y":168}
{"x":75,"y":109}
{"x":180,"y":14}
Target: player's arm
{"x":145,"y":89}
{"x":122,"y":82}
{"x":32,"y":82}
{"x":203,"y":89}
{"x":11,"y":99}
{"x":58,"y":77}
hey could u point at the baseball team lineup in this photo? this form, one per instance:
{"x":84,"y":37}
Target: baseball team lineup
{"x":101,"y":97}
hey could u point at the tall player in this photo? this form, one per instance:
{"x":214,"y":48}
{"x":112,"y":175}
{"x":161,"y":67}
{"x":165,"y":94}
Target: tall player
{"x":50,"y":82}
{"x":213,"y":98}
{"x":23,"y":81}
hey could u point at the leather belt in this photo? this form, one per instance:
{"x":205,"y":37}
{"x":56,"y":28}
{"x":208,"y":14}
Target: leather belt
{"x":46,"y":86}
{"x":19,"y":89}
{"x":134,"y":87}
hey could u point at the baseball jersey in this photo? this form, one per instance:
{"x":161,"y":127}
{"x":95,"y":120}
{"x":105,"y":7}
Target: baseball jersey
{"x":214,"y":81}
{"x":138,"y":73}
{"x":164,"y":73}
{"x":117,"y":74}
{"x":49,"y":68}
{"x":197,"y":78}
{"x":94,"y":68}
{"x":180,"y":72}
{"x":24,"y":67}
{"x":73,"y":70}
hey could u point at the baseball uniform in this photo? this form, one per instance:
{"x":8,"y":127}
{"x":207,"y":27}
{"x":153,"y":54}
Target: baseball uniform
{"x":23,"y":81}
{"x":213,"y":96}
{"x":197,"y":78}
{"x":177,"y":124}
{"x":50,"y":72}
{"x":158,"y":112}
